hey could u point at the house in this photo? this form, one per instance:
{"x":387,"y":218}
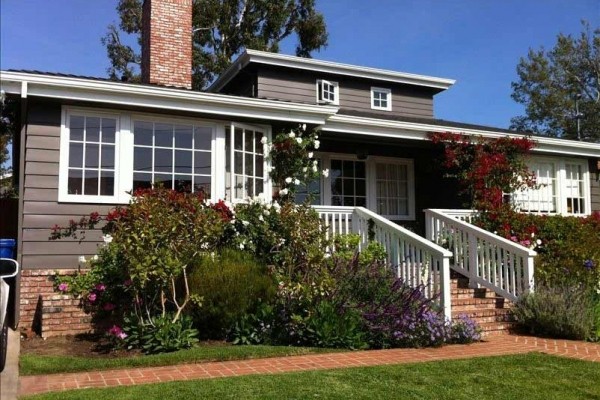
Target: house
{"x":85,"y":143}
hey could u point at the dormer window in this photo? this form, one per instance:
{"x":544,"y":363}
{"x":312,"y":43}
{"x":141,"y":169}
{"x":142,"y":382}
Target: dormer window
{"x":381,"y":99}
{"x":327,"y":92}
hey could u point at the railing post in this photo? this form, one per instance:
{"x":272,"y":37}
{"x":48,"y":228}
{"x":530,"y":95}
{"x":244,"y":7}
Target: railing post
{"x":473,"y":260}
{"x":428,"y":226}
{"x":529,"y":267}
{"x":445,"y":288}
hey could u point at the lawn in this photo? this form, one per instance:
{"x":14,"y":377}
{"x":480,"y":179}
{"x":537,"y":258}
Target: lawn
{"x":530,"y":376}
{"x":34,"y":364}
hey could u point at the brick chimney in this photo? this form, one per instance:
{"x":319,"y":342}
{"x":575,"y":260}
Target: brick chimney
{"x":167,"y":43}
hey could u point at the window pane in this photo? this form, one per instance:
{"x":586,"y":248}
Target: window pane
{"x":142,"y":133}
{"x":202,"y":162}
{"x":361,"y":187}
{"x":203,"y":137}
{"x":90,"y":183}
{"x":76,"y":126}
{"x":249,"y":185}
{"x":361,"y":202}
{"x":260,"y":164}
{"x":108,"y":156}
{"x":202,"y":183}
{"x":142,"y":181}
{"x":76,"y":155}
{"x":336,"y":165}
{"x":249,"y":141}
{"x":348,"y":201}
{"x":336,"y":186}
{"x":360,"y":169}
{"x":259,"y":186}
{"x":163,"y":135}
{"x":239,"y":187}
{"x":163,"y":160}
{"x":238,"y":162}
{"x":183,"y":162}
{"x":259,"y":146}
{"x":238,"y":139}
{"x":183,"y":183}
{"x":107,"y":183}
{"x":163,"y":180}
{"x":91,"y":155}
{"x":348,"y":169}
{"x":183,"y":136}
{"x":348,"y":187}
{"x":336,"y":201}
{"x":142,"y":159}
{"x":249,"y":165}
{"x":92,"y":129}
{"x":75,"y":182}
{"x":109,"y":127}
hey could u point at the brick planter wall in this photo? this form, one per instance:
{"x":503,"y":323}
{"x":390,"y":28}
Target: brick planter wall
{"x":46,"y":312}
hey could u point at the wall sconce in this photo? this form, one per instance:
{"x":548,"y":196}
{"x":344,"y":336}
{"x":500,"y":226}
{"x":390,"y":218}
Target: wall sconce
{"x":362,"y":154}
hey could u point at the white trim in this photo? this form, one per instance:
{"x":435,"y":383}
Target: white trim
{"x":419,"y":131}
{"x":320,"y":90}
{"x":310,"y":64}
{"x":134,"y":95}
{"x":388,"y":100}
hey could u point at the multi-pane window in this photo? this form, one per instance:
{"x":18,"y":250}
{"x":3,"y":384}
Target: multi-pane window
{"x":327,"y":92}
{"x":561,"y":188}
{"x":348,"y":182}
{"x":392,"y":187}
{"x":310,"y":190}
{"x":245,"y":174}
{"x":381,"y":99}
{"x":91,"y":157}
{"x":177,"y":156}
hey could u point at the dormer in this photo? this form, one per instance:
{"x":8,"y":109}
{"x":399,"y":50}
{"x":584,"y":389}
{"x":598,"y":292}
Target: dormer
{"x":355,"y":89}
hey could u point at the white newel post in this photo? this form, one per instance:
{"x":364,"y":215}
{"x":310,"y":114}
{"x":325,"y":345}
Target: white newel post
{"x":529,"y":273}
{"x":445,"y":287}
{"x":473,"y":261}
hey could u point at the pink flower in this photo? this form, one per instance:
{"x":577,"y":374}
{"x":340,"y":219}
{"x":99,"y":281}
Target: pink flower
{"x":514,"y":238}
{"x":101,"y":287}
{"x":117,"y":332}
{"x":122,"y":335}
{"x":63,"y":287}
{"x":128,"y":282}
{"x":109,"y":307}
{"x":92,"y":297}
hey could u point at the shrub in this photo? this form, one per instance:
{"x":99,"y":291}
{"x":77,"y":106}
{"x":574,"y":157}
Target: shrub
{"x":254,"y":328}
{"x":334,"y":326}
{"x":561,"y":311}
{"x":231,"y":283}
{"x":464,"y":330}
{"x":159,"y":334}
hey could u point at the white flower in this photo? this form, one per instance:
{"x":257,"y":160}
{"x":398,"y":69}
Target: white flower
{"x":269,"y":168}
{"x":539,"y":242}
{"x":304,"y":169}
{"x":303,"y":127}
{"x":245,"y":223}
{"x":288,"y":180}
{"x":310,"y":154}
{"x":326,"y":173}
{"x":107,"y":238}
{"x":276,"y":206}
{"x":292,"y":134}
{"x":316,"y":137}
{"x":317,"y":144}
{"x":283,"y":192}
{"x":82,"y":260}
{"x":315,"y":162}
{"x":299,"y":140}
{"x":241,"y":246}
{"x":326,"y":255}
{"x":314,"y":168}
{"x":263,"y":140}
{"x":95,"y":257}
{"x":260,"y":218}
{"x":296,"y":181}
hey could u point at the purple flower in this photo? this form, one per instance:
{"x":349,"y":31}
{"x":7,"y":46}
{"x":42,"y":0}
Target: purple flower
{"x":92,"y":297}
{"x":63,"y":287}
{"x":101,"y":287}
{"x":589,"y":264}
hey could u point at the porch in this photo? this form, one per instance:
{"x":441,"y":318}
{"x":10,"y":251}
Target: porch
{"x":497,"y":271}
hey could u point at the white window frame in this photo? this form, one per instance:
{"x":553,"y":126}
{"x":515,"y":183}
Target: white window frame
{"x":371,"y":189}
{"x":124,"y":145}
{"x":320,"y":91}
{"x":63,"y":176}
{"x":560,"y":180}
{"x":387,"y":92}
{"x":267,"y":184}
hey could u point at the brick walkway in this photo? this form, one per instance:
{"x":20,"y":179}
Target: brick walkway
{"x":494,"y":345}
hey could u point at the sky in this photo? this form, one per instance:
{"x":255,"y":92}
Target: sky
{"x":477,"y":42}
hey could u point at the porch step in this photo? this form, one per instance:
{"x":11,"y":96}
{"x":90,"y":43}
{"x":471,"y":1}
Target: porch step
{"x":496,"y":328}
{"x":461,"y":293}
{"x":474,"y":303}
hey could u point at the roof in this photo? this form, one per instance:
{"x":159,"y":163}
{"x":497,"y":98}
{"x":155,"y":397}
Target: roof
{"x":310,"y":64}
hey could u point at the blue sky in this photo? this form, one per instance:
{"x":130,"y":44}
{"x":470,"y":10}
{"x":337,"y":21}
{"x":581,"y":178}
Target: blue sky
{"x":476,"y":42}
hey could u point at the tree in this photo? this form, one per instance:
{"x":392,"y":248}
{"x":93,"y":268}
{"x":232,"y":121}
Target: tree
{"x":8,"y":110}
{"x":222,"y":30}
{"x":551,"y":81}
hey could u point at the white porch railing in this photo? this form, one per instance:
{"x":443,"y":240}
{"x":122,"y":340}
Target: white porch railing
{"x":486,"y":259}
{"x":416,"y":259}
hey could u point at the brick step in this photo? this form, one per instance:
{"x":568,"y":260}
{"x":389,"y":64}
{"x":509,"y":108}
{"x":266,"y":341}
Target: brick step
{"x":472,"y":293}
{"x":479,"y":313}
{"x":462,"y":283}
{"x":479,"y":303}
{"x":492,"y":318}
{"x":494,"y":328}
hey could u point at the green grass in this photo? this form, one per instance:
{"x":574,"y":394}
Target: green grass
{"x":530,"y":376}
{"x":31,"y":364}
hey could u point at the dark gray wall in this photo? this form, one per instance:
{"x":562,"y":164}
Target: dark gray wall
{"x":355,"y":94}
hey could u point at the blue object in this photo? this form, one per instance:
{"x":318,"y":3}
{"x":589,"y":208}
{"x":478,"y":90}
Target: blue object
{"x":7,"y":248}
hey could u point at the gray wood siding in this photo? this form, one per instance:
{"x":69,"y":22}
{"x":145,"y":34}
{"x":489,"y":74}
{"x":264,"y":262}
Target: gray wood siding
{"x":595,"y":184}
{"x":41,"y":210}
{"x":355,"y":94}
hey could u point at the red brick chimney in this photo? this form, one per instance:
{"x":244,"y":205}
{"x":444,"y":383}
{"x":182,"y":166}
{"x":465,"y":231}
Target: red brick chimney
{"x":167,"y":43}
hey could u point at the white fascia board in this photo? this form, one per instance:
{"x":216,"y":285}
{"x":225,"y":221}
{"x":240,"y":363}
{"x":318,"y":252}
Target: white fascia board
{"x":310,"y":64}
{"x":89,"y":90}
{"x":418,"y":131}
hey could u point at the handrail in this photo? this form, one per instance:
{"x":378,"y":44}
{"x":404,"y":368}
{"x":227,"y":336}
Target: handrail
{"x":485,"y":258}
{"x":417,"y":260}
